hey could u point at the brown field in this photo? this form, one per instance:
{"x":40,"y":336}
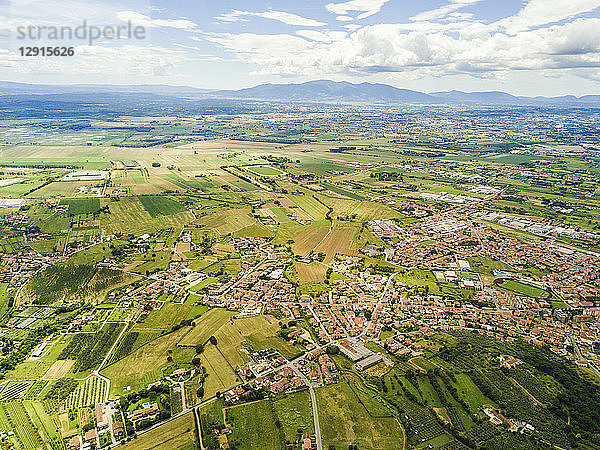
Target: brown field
{"x":174,"y":435}
{"x":228,"y":221}
{"x":59,"y":369}
{"x":182,"y":247}
{"x":155,"y":179}
{"x":308,"y":239}
{"x":338,"y":241}
{"x":220,"y":376}
{"x":311,"y":273}
{"x":206,"y":326}
{"x":224,"y":144}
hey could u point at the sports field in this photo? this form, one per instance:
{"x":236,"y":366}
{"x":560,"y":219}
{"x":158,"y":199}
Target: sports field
{"x":525,"y":289}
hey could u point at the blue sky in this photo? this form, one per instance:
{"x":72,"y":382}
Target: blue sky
{"x":530,"y":47}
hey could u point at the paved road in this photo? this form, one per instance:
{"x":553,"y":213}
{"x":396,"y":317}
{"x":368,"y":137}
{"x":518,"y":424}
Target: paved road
{"x":313,"y":399}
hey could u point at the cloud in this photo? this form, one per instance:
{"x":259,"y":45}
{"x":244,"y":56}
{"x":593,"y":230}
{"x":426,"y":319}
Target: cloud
{"x":366,"y":7}
{"x":395,"y":48}
{"x":143,"y":20}
{"x":327,"y":36}
{"x":443,"y":11}
{"x":538,"y":12}
{"x":281,"y":16}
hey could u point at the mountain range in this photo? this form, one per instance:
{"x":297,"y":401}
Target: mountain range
{"x":313,"y":91}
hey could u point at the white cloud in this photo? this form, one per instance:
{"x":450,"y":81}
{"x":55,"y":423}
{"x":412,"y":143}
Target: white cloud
{"x":443,"y":11}
{"x":281,"y":16}
{"x":344,"y":18}
{"x":326,"y":36}
{"x":391,"y":48}
{"x":367,"y":8}
{"x":540,"y":12}
{"x":143,"y":20}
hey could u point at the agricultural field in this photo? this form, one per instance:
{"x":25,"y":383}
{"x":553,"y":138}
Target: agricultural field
{"x":81,"y":206}
{"x":161,"y":206}
{"x":144,"y":365}
{"x":178,"y":434}
{"x":344,"y":421}
{"x":295,"y":413}
{"x":68,"y":283}
{"x":128,"y":215}
{"x":254,"y":427}
{"x":228,"y":244}
{"x":226,"y":222}
{"x":310,"y":273}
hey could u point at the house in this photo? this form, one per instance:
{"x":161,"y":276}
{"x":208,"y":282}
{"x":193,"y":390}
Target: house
{"x":75,"y":443}
{"x":118,"y":429}
{"x":90,"y":434}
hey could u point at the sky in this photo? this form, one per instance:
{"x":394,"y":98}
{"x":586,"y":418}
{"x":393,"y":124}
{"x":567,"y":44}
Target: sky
{"x":524,"y":47}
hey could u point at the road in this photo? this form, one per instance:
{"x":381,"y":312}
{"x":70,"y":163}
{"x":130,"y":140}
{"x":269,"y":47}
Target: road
{"x":313,"y":399}
{"x":378,"y":306}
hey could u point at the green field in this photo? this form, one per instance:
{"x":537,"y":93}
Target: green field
{"x":144,"y":365}
{"x":157,"y":205}
{"x":254,"y":427}
{"x":81,"y":206}
{"x":345,"y":421}
{"x":264,"y":170}
{"x":525,"y":289}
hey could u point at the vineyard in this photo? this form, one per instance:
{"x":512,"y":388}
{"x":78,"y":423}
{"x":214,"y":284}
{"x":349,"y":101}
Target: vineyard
{"x":88,"y":350}
{"x":175,"y":394}
{"x":44,"y":424}
{"x":423,"y":425}
{"x":61,"y":389}
{"x":22,"y":425}
{"x":533,"y":385}
{"x":68,"y":282}
{"x":87,"y":394}
{"x":14,"y":390}
{"x":35,"y":389}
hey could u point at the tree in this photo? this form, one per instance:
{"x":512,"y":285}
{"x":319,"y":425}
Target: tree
{"x":199,"y":348}
{"x":213,"y":340}
{"x":196,"y":361}
{"x":332,"y":350}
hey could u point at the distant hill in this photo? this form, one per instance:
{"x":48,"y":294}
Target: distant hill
{"x":313,"y":91}
{"x":331,"y":91}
